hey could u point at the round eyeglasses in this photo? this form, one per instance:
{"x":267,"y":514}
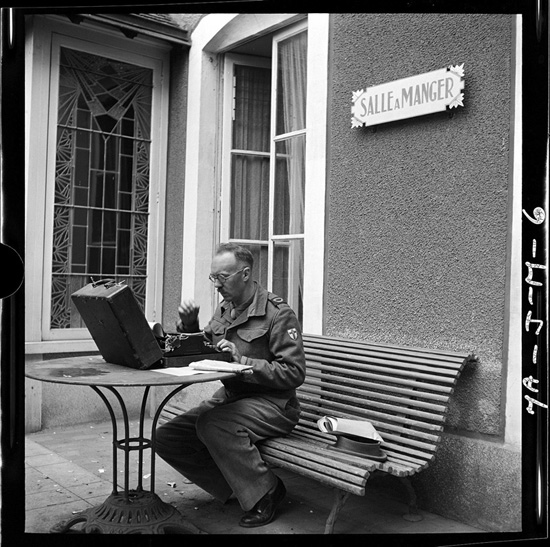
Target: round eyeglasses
{"x":222,"y":278}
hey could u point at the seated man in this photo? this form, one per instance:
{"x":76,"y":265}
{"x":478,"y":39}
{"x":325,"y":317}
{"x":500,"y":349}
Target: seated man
{"x":213,"y":445}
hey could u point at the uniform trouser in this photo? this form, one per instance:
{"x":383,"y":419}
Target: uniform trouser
{"x":213,"y":444}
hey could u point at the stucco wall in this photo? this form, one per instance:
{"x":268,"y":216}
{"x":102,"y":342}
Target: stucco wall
{"x":417,"y":232}
{"x":417,"y":209}
{"x":175,"y":185}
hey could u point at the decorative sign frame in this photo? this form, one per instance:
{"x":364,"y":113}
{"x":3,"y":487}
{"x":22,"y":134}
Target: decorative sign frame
{"x":427,"y":93}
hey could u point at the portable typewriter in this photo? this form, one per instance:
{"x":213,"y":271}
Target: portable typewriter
{"x":123,"y":336}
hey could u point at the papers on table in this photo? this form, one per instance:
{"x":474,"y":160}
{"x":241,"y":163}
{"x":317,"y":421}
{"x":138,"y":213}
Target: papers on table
{"x":218,"y":366}
{"x":204,"y":366}
{"x":179,"y":371}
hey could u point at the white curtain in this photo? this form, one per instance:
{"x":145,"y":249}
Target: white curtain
{"x":291,"y":116}
{"x":250,"y":171}
{"x":289,"y":189}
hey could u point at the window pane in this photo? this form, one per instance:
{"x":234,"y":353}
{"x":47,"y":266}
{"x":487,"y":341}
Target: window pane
{"x":260,"y":254}
{"x":83,"y":139}
{"x":250,"y":197}
{"x":126,"y":172}
{"x":98,"y":151}
{"x":288,"y":273}
{"x":252,"y":108}
{"x":291,"y":84}
{"x":79,"y":246}
{"x":109,"y":228}
{"x":289,"y":186}
{"x":257,"y":188}
{"x":289,"y":172}
{"x":102,"y":178}
{"x":111,"y":181}
{"x":123,"y":251}
{"x":82,"y":167}
{"x":108,"y":261}
{"x":249,"y":213}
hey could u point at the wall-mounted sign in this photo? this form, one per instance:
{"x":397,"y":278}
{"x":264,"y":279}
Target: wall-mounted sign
{"x":415,"y":96}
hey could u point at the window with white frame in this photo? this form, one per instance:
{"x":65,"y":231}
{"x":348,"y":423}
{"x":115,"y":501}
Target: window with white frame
{"x":103,"y":155}
{"x":101,"y":198}
{"x":265,"y":158}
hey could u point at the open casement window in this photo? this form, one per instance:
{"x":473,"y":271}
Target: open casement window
{"x":264,"y":182}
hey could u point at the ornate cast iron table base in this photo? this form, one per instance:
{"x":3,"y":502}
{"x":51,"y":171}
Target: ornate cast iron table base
{"x":132,"y":511}
{"x":139,"y":512}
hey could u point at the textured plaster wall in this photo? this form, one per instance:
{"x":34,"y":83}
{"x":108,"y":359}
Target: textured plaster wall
{"x":175,"y":185}
{"x":417,"y":209}
{"x":473,"y":481}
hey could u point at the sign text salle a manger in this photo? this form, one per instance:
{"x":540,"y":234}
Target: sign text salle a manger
{"x":408,"y":97}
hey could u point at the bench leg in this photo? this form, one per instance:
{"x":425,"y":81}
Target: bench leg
{"x":340,"y":498}
{"x":413,"y":515}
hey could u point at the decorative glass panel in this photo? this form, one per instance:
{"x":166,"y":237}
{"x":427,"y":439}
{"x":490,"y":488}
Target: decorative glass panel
{"x":101,"y":204}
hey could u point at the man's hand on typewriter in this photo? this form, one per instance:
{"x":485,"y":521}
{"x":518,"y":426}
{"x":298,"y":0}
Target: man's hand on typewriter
{"x":226,"y":345}
{"x":189,"y":313}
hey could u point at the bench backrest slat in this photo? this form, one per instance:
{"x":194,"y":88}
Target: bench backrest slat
{"x":360,"y":389}
{"x":328,"y":341}
{"x":426,"y":431}
{"x":435,"y":375}
{"x":383,"y":424}
{"x":353,"y":402}
{"x":403,"y":392}
{"x":387,"y":379}
{"x":428,"y":365}
{"x":314,"y":376}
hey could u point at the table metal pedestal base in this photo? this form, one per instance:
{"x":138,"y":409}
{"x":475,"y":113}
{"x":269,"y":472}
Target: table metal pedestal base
{"x":130,"y":511}
{"x":141,"y":512}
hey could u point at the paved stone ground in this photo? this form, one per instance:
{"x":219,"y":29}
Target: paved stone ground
{"x":70,"y":469}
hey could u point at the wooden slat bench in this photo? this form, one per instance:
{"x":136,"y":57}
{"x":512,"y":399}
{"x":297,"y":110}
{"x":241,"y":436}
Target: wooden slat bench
{"x":403,"y":392}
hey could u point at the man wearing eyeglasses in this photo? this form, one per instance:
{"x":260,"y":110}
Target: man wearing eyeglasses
{"x":213,"y":444}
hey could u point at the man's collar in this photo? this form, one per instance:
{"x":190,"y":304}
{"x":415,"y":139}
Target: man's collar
{"x":258,"y":304}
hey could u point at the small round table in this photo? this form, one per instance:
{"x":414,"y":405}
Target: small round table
{"x":133,"y":511}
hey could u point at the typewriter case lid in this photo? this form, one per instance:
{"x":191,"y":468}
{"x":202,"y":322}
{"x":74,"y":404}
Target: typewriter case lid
{"x":117,"y":324}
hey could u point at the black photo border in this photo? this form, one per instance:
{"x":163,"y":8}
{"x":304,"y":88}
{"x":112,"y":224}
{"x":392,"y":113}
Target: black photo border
{"x":534,"y":252}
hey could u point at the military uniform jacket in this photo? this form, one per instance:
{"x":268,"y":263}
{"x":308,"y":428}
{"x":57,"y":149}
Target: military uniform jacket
{"x":268,"y":336}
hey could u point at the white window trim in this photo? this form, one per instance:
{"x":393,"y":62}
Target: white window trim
{"x":284,"y":34}
{"x":316,"y":171}
{"x":215,"y":34}
{"x":231,"y":59}
{"x":199,"y":212}
{"x":45,"y":38}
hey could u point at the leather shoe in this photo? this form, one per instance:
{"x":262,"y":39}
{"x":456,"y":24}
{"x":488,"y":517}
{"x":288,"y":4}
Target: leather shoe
{"x":264,"y":511}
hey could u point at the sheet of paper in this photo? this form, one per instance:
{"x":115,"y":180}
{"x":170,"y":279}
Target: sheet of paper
{"x":218,"y":366}
{"x":180,"y":371}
